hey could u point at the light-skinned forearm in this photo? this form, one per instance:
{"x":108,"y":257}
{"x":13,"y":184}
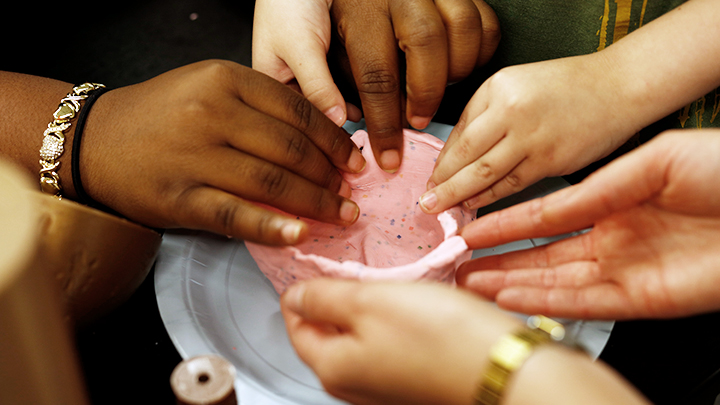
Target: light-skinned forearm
{"x":552,"y":375}
{"x":556,"y":375}
{"x":667,"y":63}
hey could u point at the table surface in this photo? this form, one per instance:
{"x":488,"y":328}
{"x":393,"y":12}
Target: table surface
{"x":127,"y":355}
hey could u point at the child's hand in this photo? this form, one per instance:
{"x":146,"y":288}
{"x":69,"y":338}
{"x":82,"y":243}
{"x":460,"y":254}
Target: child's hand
{"x":291,"y":39}
{"x":197,"y":146}
{"x":528,"y":122}
{"x":652,"y":251}
{"x":443,"y":41}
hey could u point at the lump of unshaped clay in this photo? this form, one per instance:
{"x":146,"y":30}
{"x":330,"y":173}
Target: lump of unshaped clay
{"x":391,"y":240}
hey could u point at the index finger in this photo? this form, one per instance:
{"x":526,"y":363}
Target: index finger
{"x":373,"y":55}
{"x":276,"y":100}
{"x":532,"y":219}
{"x":619,"y":186}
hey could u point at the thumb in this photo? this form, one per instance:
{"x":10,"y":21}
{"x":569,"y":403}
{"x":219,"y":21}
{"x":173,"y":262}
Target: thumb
{"x":272,"y":65}
{"x":317,"y":300}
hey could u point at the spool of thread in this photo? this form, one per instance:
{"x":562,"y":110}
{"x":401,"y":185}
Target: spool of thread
{"x":204,"y":380}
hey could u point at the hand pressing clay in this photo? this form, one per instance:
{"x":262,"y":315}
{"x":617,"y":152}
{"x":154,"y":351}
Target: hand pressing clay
{"x":391,"y":240}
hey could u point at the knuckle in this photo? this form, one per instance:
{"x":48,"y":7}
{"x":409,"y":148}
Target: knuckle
{"x":183,"y":201}
{"x":514,"y":181}
{"x":324,"y":174}
{"x":341,"y":29}
{"x":303,"y":112}
{"x":377,"y":79}
{"x":548,"y":278}
{"x":537,"y":213}
{"x":426,"y":32}
{"x":296,"y":150}
{"x":429,"y":92}
{"x":467,"y":23}
{"x":274,"y":181}
{"x":216,"y":70}
{"x":483,"y":170}
{"x":191,"y":103}
{"x":492,"y":194}
{"x":264,"y":226}
{"x":196,"y":109}
{"x":463,"y":25}
{"x":226,"y":215}
{"x":464,"y":150}
{"x":507,"y":82}
{"x":491,"y":33}
{"x":317,"y":92}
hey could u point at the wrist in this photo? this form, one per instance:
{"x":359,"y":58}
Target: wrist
{"x":100,"y":139}
{"x":464,"y":352}
{"x":556,"y":375}
{"x":539,"y":371}
{"x":625,"y":96}
{"x":487,"y":328}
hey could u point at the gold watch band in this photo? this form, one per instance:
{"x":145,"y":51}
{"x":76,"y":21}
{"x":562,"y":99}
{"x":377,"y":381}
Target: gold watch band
{"x":510,"y":352}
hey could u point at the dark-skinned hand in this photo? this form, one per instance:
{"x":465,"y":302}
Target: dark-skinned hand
{"x":199,"y":146}
{"x":442,"y":41}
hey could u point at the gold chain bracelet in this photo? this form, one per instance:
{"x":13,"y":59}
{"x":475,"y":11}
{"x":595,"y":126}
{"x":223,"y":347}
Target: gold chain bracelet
{"x":54,"y":137}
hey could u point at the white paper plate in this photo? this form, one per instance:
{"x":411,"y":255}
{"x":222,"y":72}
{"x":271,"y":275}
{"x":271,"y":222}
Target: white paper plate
{"x":213,"y":299}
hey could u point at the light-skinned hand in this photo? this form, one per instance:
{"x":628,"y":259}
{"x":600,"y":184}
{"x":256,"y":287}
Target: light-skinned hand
{"x":428,"y":343}
{"x":392,"y":343}
{"x":525,"y":123}
{"x":290,"y":42}
{"x":551,"y":118}
{"x":652,"y":251}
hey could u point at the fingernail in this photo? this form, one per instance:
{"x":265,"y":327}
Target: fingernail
{"x":390,"y":160}
{"x":428,"y":201}
{"x":354,"y":113}
{"x":291,"y":232}
{"x":349,"y":211}
{"x":430,"y":185}
{"x":356,"y":163}
{"x":420,"y":122}
{"x":345,"y":189}
{"x":294,"y":296}
{"x":336,"y":114}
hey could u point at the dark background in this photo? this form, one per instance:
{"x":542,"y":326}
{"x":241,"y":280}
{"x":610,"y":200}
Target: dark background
{"x":127,"y":355}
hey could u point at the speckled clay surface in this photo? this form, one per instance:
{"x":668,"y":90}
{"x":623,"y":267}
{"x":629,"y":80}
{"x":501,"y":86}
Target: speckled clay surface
{"x":392,"y":239}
